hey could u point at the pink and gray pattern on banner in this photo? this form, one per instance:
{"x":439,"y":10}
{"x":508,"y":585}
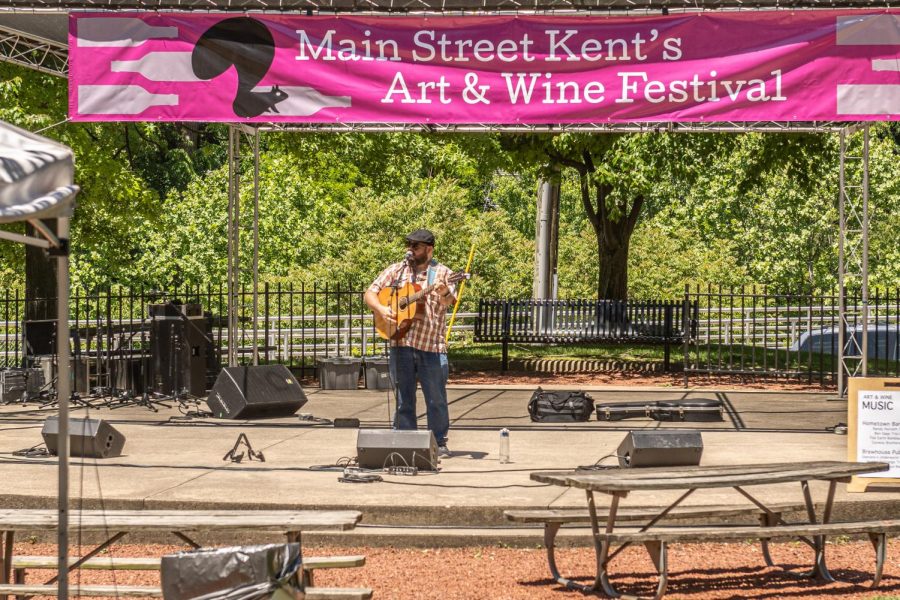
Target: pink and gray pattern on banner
{"x":818,"y":65}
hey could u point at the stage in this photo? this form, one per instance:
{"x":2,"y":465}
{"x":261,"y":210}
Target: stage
{"x":170,"y":461}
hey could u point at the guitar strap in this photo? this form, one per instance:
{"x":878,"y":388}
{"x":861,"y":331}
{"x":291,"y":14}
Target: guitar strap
{"x":432,"y":271}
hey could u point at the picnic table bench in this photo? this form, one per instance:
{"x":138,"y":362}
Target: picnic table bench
{"x":141,"y":591}
{"x":619,"y":483}
{"x":554,"y":519}
{"x":21,"y":564}
{"x":290,"y":523}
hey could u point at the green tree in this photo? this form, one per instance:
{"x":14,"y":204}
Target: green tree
{"x":619,"y":177}
{"x":117,"y":203}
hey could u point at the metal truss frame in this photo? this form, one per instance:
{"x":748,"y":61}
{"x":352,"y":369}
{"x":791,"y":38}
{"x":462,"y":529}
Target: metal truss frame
{"x":853,"y":258}
{"x":33,"y":52}
{"x":647,"y":127}
{"x":237,"y":137}
{"x":467,"y":6}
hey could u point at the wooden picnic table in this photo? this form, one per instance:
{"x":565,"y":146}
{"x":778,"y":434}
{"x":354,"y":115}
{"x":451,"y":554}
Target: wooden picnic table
{"x":119,"y":523}
{"x":619,"y":483}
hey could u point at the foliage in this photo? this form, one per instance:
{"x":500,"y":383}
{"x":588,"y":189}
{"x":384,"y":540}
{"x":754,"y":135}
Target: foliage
{"x":755,"y":196}
{"x":884,"y":204}
{"x":319,"y":222}
{"x":352,"y":257}
{"x":663,"y":261}
{"x":612,"y":208}
{"x":114,"y":201}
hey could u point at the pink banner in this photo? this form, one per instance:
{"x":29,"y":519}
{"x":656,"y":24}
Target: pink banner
{"x":817,"y":65}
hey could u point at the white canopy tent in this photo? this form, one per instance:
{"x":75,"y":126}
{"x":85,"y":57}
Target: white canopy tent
{"x":36,"y":177}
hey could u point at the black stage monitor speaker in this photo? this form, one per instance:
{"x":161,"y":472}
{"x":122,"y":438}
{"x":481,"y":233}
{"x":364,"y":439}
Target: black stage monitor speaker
{"x":380,"y":448}
{"x":258,"y":392}
{"x":670,"y":448}
{"x":92,"y":438}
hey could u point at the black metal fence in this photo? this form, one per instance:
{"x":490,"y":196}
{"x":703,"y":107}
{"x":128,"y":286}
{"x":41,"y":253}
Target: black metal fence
{"x":757,"y":332}
{"x":753,"y":332}
{"x":294,"y":326}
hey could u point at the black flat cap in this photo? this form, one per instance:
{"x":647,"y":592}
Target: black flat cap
{"x":421,"y":235}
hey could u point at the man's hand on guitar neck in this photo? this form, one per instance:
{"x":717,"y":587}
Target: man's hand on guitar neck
{"x":443,"y":292}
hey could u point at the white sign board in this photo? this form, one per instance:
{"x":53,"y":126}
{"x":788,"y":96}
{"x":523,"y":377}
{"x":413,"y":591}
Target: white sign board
{"x":878,"y":429}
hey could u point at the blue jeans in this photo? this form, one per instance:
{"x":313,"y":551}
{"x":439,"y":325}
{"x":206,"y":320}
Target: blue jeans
{"x":408,"y":365}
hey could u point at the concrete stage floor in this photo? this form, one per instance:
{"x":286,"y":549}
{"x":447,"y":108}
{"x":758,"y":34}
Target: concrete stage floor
{"x":172,"y":462}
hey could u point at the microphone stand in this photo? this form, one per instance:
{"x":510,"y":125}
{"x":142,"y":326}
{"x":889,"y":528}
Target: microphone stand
{"x":146,"y":399}
{"x":409,"y":264}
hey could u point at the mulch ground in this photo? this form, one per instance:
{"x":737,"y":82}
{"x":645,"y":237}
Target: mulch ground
{"x":697,"y":571}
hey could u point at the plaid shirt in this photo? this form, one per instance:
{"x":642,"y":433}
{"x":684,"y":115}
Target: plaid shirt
{"x":426,"y":333}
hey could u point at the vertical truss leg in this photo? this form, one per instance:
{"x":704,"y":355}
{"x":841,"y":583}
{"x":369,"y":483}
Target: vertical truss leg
{"x":255,"y":246}
{"x":853,"y":260}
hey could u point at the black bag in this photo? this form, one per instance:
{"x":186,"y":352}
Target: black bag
{"x":560,"y":406}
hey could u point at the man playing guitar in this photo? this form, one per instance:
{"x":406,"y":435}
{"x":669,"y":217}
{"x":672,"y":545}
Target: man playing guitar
{"x":420,"y":354}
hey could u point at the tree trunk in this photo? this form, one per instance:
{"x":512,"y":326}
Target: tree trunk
{"x":612,"y":282}
{"x":613,"y":236}
{"x":40,"y":279}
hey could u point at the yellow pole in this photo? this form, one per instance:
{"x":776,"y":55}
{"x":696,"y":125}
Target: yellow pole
{"x":462,"y":285}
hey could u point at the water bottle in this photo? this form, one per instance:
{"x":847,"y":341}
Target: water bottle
{"x":504,"y":445}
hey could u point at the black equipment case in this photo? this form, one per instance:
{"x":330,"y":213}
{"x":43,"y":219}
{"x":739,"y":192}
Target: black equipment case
{"x":548,"y":406}
{"x":690,"y":411}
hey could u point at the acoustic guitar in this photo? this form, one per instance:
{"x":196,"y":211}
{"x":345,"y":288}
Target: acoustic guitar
{"x":406,"y":302}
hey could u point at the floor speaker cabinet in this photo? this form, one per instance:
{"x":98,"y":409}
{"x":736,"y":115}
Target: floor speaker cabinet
{"x":380,"y":448}
{"x":255,"y":392}
{"x":178,"y":355}
{"x":40,"y":337}
{"x":91,"y":438}
{"x":660,"y":448}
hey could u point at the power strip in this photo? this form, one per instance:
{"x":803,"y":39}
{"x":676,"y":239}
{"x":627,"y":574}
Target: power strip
{"x":401,"y":470}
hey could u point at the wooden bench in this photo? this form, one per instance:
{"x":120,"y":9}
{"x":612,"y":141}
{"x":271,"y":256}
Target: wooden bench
{"x":20,"y":564}
{"x":554,"y":519}
{"x":289,"y":523}
{"x":655,"y":539}
{"x":136,"y":591}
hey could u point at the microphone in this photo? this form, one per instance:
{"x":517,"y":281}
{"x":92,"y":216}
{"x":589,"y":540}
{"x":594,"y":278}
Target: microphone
{"x":409,"y":256}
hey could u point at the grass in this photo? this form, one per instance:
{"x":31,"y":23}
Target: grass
{"x":751,"y":360}
{"x":619,"y":352}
